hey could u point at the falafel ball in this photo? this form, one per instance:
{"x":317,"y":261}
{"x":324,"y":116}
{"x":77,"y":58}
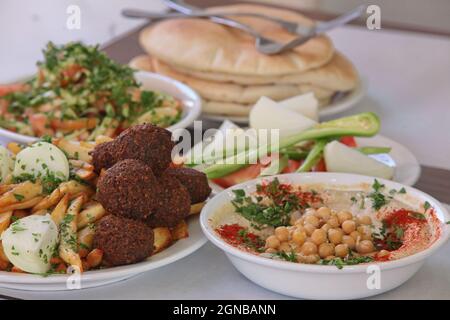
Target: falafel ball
{"x":128,"y":189}
{"x":103,"y":156}
{"x":195,"y":182}
{"x":173,"y":203}
{"x":146,"y":142}
{"x":123,"y":241}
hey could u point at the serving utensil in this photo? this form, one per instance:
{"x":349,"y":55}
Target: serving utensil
{"x":262,"y":44}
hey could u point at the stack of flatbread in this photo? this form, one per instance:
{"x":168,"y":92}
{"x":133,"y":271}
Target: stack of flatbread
{"x":224,"y":67}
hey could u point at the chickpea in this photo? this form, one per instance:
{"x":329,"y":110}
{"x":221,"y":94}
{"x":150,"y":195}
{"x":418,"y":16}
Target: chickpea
{"x":365,"y":231}
{"x":333,"y":222}
{"x":326,"y":249}
{"x":355,"y":235}
{"x":309,"y":229}
{"x":285,"y":246}
{"x":310,"y":212}
{"x":335,"y":235}
{"x":319,"y":236}
{"x":364,"y":220}
{"x":282,"y":233}
{"x":272,"y":242}
{"x":300,"y":222}
{"x":324,"y":213}
{"x":365,"y":246}
{"x":299,"y":237}
{"x":312,"y":258}
{"x":349,"y":241}
{"x":341,"y":250}
{"x":344,"y":216}
{"x":294,"y":217}
{"x":309,"y":248}
{"x":326,"y":227}
{"x":348,"y":226}
{"x":312,"y":220}
{"x":270,"y":250}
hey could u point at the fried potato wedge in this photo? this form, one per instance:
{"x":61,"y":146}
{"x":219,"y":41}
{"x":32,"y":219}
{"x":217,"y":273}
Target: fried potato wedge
{"x":196,"y":208}
{"x":5,"y":220}
{"x":20,"y":193}
{"x":180,"y":231}
{"x":163,"y":239}
{"x":86,"y":237}
{"x":90,"y":214}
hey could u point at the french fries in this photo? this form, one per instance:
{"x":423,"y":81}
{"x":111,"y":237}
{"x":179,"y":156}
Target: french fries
{"x":23,"y":205}
{"x":180,"y":231}
{"x":86,"y":237}
{"x":163,"y":239}
{"x":74,"y":189}
{"x":68,"y":246}
{"x":74,"y":149}
{"x":5,"y":220}
{"x":48,"y":201}
{"x":22,"y":192}
{"x":102,"y":139}
{"x":60,"y":209}
{"x":3,"y":256}
{"x":14,"y":147}
{"x":90,"y":214}
{"x":94,"y":258}
{"x":196,"y":208}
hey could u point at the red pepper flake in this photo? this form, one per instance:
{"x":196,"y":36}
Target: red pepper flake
{"x":283,"y":192}
{"x":237,"y":235}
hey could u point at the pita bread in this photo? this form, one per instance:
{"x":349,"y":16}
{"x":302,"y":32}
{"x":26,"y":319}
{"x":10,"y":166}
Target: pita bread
{"x":236,"y":109}
{"x":230,"y":92}
{"x":338,"y":74}
{"x":202,"y":45}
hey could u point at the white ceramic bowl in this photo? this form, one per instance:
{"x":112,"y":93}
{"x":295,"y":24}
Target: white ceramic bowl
{"x":151,"y":81}
{"x":317,"y":281}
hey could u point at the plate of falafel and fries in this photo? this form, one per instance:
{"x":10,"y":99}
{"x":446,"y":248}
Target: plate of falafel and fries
{"x":105,"y":210}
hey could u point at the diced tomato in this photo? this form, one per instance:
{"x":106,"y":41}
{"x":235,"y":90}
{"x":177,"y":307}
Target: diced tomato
{"x":348,"y":141}
{"x":39,"y":124}
{"x":71,"y":74}
{"x":292,"y":166}
{"x":8,"y":88}
{"x":242,"y":175}
{"x":320,"y":166}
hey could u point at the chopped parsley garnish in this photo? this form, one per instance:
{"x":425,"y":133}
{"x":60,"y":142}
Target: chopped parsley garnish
{"x":378,"y":198}
{"x":291,"y":256}
{"x":341,"y":262}
{"x":426,"y":205}
{"x":19,"y":197}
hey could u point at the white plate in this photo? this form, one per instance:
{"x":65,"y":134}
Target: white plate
{"x":407,"y":168}
{"x":338,"y":105}
{"x":151,"y":81}
{"x":326,"y":282}
{"x":96,"y":278}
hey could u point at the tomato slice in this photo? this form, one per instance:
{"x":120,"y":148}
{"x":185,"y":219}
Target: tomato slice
{"x":292,"y":166}
{"x":348,"y":141}
{"x":242,"y":175}
{"x":320,"y":166}
{"x":8,"y":88}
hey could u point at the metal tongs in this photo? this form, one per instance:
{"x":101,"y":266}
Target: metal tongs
{"x":263,"y":44}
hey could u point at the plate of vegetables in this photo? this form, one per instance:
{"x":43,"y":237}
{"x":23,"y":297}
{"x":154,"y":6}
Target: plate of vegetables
{"x":347,"y":145}
{"x":79,"y":93}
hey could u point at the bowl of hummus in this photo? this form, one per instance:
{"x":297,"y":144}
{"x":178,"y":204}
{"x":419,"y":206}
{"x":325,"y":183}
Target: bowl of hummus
{"x":326,"y":235}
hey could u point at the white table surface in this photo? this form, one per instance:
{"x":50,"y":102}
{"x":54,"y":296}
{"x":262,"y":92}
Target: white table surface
{"x":409,"y":87}
{"x":207,"y":274}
